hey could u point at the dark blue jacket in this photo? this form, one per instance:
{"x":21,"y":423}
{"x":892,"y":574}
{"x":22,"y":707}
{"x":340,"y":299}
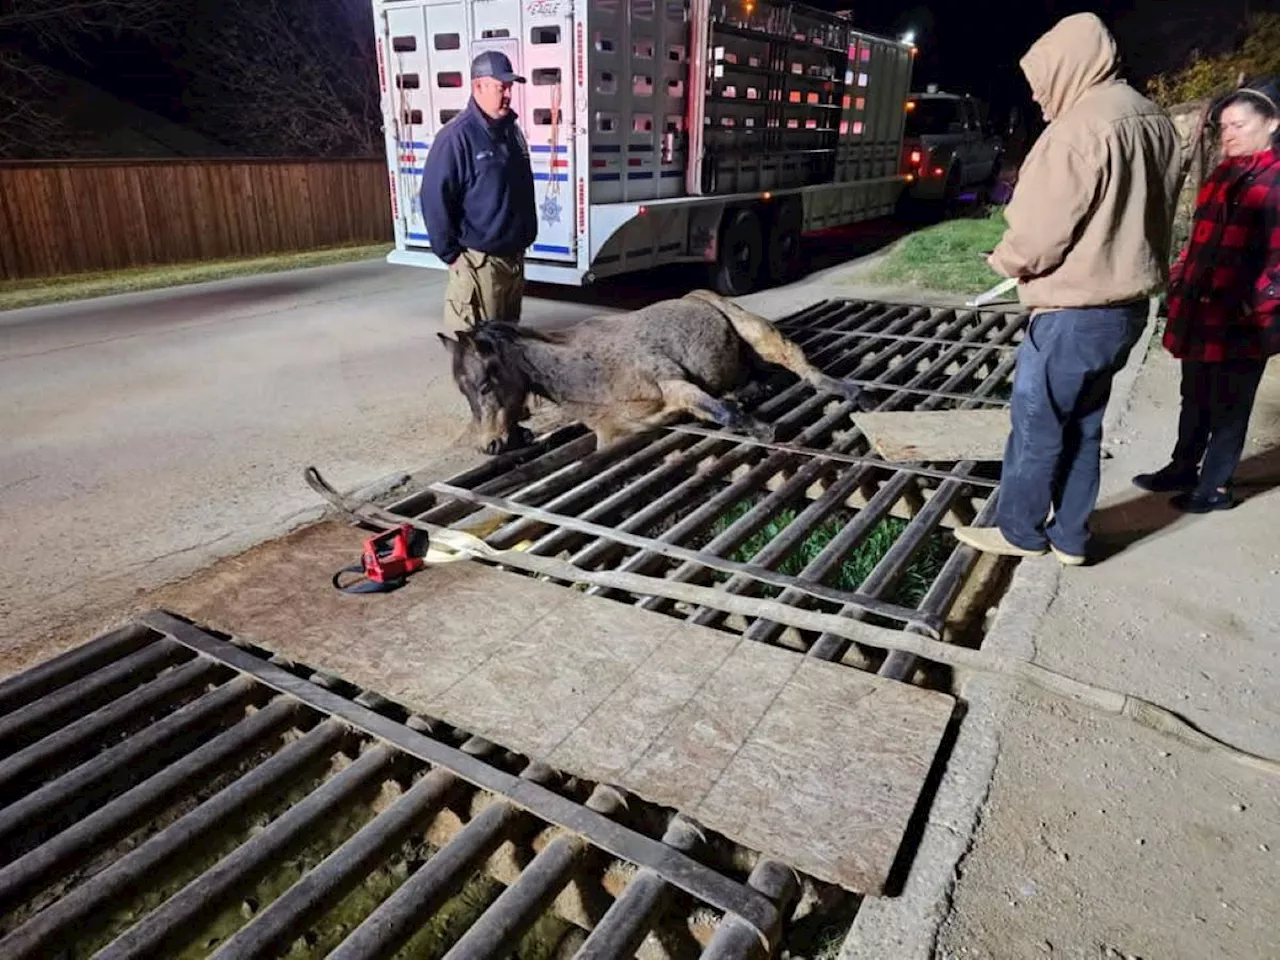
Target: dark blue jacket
{"x":477,"y":187}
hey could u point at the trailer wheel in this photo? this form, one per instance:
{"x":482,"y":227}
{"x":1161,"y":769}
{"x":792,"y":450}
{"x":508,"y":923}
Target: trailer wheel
{"x":783,"y":251}
{"x":741,"y":251}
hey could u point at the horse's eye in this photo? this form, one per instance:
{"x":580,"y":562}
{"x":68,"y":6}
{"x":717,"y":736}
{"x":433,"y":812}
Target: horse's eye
{"x":486,"y":388}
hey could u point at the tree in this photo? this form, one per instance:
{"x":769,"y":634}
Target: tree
{"x":1207,"y":77}
{"x":265,"y":77}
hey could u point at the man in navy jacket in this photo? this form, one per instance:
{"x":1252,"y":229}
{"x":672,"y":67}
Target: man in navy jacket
{"x":477,"y":200}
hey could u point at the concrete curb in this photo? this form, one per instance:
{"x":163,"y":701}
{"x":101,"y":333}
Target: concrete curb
{"x":906,"y":927}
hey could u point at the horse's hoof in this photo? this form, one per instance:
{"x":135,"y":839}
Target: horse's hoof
{"x":520,"y":437}
{"x":494,"y":447}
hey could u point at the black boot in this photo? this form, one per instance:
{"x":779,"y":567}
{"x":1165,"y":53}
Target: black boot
{"x":1168,"y":479}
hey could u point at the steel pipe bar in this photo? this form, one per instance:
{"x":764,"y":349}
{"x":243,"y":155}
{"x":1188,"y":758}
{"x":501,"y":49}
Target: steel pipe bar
{"x":396,"y":920}
{"x":31,"y":722}
{"x":167,"y":927}
{"x":505,"y":922}
{"x":319,"y":889}
{"x":49,"y":928}
{"x":74,"y":740}
{"x":24,"y":823}
{"x":46,"y":677}
{"x":108,"y":823}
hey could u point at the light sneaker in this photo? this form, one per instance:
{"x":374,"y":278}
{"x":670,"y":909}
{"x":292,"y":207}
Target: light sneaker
{"x":1068,"y":559}
{"x":991,"y":540}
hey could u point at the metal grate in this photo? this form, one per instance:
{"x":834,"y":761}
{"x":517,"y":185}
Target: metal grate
{"x":166,"y":792}
{"x":816,"y":520}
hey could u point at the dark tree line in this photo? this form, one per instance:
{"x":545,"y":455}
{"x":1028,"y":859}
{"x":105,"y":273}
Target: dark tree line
{"x":258,"y":77}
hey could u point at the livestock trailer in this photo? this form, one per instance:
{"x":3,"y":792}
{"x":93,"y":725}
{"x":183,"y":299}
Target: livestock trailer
{"x":660,"y":131}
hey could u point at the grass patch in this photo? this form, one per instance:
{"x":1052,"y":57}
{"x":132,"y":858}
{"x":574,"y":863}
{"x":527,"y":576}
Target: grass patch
{"x":946,"y":257}
{"x":15,"y":294}
{"x":856,"y":567}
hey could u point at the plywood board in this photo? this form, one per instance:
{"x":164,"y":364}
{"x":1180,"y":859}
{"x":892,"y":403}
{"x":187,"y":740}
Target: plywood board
{"x":937,"y":436}
{"x":817,"y":765}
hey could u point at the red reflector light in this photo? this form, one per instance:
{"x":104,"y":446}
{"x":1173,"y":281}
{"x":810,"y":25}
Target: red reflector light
{"x":916,"y":157}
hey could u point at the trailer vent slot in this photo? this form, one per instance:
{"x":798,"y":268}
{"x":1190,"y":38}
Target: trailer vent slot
{"x":407,"y":81}
{"x":642,"y":123}
{"x":604,"y":44}
{"x":675,"y":88}
{"x":546,"y":76}
{"x":404,"y":44}
{"x":642,"y":9}
{"x":447,"y":115}
{"x":545,"y":35}
{"x":498,"y":33}
{"x":413,"y":117}
{"x":675,"y":54}
{"x":606,"y":122}
{"x":675,"y":123}
{"x":450,"y":79}
{"x":542,"y":117}
{"x":608,"y":83}
{"x":447,"y":41}
{"x":643,"y":50}
{"x":642,"y":86}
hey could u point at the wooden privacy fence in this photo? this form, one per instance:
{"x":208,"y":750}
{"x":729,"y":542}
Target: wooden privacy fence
{"x":80,"y":216}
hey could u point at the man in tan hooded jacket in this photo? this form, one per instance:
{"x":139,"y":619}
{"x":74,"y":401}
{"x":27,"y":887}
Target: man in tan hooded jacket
{"x":1090,"y":231}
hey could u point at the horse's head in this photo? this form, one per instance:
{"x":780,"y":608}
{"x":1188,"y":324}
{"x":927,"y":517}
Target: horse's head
{"x":488,"y":373}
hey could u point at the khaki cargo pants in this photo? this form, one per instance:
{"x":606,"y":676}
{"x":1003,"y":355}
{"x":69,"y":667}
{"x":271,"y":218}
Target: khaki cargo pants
{"x":483,"y":286}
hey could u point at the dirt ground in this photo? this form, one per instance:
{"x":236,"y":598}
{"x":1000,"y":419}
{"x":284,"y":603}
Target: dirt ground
{"x":1100,"y":839}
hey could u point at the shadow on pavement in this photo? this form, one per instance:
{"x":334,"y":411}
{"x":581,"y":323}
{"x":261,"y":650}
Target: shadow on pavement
{"x":1122,"y":525}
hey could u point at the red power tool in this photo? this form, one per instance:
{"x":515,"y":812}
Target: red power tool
{"x":386,"y":561}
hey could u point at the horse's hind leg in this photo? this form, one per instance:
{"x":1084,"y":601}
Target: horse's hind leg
{"x":685,"y":397}
{"x":771,"y":346}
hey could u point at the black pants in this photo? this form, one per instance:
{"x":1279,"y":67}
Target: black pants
{"x":1217,"y":400}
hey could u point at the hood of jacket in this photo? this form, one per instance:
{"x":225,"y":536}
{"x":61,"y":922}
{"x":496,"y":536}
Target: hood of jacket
{"x":1074,"y":57}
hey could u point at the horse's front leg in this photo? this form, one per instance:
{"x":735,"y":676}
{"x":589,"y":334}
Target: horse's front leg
{"x":683,"y":396}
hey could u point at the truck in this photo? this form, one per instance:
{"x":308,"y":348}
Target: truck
{"x":949,"y":144}
{"x":660,"y":131}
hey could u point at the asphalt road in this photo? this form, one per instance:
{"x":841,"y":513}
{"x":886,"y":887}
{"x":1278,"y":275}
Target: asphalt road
{"x":144,"y":435}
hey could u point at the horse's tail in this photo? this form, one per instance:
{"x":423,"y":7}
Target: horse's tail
{"x":768,"y":342}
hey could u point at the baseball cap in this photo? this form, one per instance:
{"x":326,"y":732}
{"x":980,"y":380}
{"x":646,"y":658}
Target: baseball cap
{"x":492,"y":63}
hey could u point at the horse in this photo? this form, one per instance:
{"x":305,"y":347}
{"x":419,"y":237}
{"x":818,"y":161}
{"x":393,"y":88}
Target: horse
{"x":628,"y":373}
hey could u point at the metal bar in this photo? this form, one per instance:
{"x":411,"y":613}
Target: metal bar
{"x":319,"y":889}
{"x":46,"y":677}
{"x":692,"y":877}
{"x":734,"y":940}
{"x":627,"y":922}
{"x":72,"y":741}
{"x":386,"y":929}
{"x":49,"y":928}
{"x":76,"y":843}
{"x":508,"y":917}
{"x":833,"y":455}
{"x":167,"y":927}
{"x":29,"y":723}
{"x":24,"y":823}
{"x":817,"y":590}
{"x":908,"y":338}
{"x":693,"y":485}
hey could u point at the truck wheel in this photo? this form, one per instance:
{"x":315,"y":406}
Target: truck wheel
{"x":783,"y":251}
{"x":741,"y":251}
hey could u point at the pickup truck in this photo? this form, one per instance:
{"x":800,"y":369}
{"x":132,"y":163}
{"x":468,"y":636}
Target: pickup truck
{"x":948,"y":146}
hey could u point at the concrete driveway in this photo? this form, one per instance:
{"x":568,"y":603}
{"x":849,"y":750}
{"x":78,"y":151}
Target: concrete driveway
{"x":145,"y":435}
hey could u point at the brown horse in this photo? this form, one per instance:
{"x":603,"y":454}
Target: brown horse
{"x":625,"y":373}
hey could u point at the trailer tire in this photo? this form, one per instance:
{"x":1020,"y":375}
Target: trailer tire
{"x":741,"y":251}
{"x":782,"y":254}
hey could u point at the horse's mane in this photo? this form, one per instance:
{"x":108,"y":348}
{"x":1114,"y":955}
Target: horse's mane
{"x":506,"y":341}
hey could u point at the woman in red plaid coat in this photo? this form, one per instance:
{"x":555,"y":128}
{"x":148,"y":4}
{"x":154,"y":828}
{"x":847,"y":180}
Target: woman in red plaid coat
{"x":1224,"y":303}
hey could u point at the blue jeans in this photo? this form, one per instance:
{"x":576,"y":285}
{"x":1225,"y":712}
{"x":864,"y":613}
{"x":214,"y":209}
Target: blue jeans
{"x":1061,"y":385}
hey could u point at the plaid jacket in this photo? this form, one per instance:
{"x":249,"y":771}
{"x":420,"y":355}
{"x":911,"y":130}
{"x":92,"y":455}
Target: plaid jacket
{"x":1224,"y":293}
